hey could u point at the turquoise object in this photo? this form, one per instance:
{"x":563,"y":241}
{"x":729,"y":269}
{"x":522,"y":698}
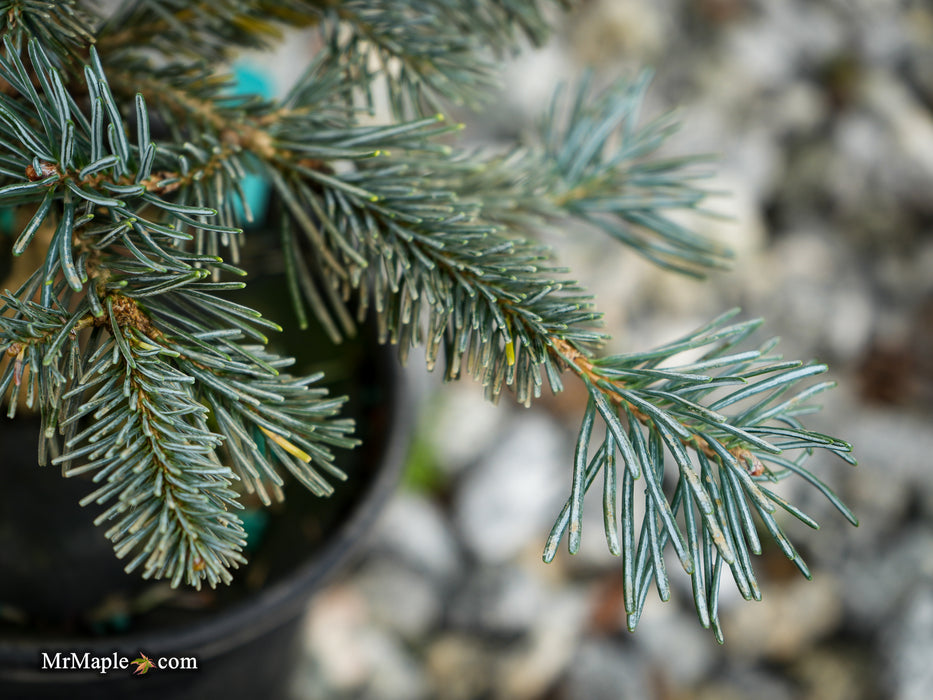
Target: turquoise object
{"x":251,"y":81}
{"x":255,"y":522}
{"x":6,"y":221}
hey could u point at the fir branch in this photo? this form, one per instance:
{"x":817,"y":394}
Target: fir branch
{"x":122,"y":260}
{"x":174,"y":500}
{"x":609,"y":175}
{"x":495,"y":301}
{"x":503,"y":314}
{"x":202,"y":30}
{"x":440,"y":276}
{"x":149,"y":375}
{"x":65,"y":27}
{"x":420,"y":49}
{"x":592,"y":163}
{"x":276,"y":421}
{"x":103,"y":186}
{"x":427,"y":50}
{"x":171,"y":502}
{"x":269,"y":419}
{"x":441,"y":273}
{"x":651,"y":408}
{"x":210,"y":30}
{"x":40,"y":353}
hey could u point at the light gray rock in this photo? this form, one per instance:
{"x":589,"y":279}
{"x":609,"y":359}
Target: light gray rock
{"x":667,"y":632}
{"x":815,"y":32}
{"x":861,"y":147}
{"x":881,"y":30}
{"x":908,"y":647}
{"x":798,"y":109}
{"x":762,"y":53}
{"x":508,"y":502}
{"x":851,"y":321}
{"x":607,"y":670}
{"x":740,"y":682}
{"x":336,"y":626}
{"x":806,"y":265}
{"x":416,"y":531}
{"x":791,"y":616}
{"x":879,"y":580}
{"x":898,"y":444}
{"x":404,"y":601}
{"x":607,"y":31}
{"x":760,"y":158}
{"x":461,"y":426}
{"x":396,"y":673}
{"x":783,"y":39}
{"x":460,"y":667}
{"x":535,"y":666}
{"x":351,"y":656}
{"x":499,"y":601}
{"x":529,"y":81}
{"x":908,"y":162}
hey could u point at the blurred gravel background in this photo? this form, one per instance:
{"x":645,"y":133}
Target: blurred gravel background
{"x":822,"y":112}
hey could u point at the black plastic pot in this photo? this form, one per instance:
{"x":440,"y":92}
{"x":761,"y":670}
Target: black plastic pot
{"x":246,"y":648}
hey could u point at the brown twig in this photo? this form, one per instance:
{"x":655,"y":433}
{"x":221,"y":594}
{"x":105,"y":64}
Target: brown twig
{"x":584,"y":368}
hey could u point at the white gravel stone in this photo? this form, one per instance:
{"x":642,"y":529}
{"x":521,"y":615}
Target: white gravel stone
{"x":877,"y":582}
{"x":500,"y":601}
{"x":461,"y":425}
{"x":607,"y":670}
{"x":536,"y":666}
{"x":789,"y":618}
{"x":350,"y":654}
{"x":509,"y":501}
{"x":909,"y":648}
{"x":673,"y":640}
{"x":415,"y":530}
{"x":404,"y":601}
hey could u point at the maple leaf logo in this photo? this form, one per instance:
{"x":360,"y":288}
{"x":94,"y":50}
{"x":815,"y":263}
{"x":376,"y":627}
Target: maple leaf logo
{"x":143,"y":664}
